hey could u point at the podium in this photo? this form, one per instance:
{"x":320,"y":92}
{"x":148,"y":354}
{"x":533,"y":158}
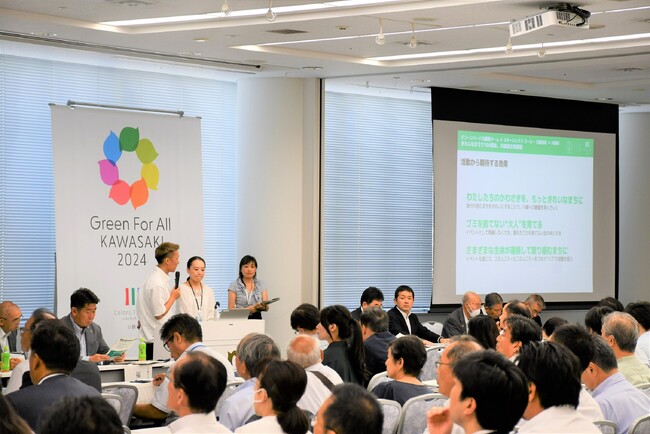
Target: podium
{"x":223,"y":335}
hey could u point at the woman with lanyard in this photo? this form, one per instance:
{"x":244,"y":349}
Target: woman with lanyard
{"x":248,"y":292}
{"x":197,"y":299}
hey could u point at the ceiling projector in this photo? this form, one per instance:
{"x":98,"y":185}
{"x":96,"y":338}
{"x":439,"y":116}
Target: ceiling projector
{"x":562,"y":15}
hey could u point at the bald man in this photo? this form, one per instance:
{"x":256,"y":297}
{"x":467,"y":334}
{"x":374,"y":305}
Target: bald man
{"x":10,"y":316}
{"x":456,"y":323}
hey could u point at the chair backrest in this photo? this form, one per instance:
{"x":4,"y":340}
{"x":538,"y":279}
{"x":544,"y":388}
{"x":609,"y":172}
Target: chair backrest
{"x":644,"y":387}
{"x":380,"y":377}
{"x":126,"y":429}
{"x":230,"y":389}
{"x":606,"y":426}
{"x":429,"y":371}
{"x":434,"y":326}
{"x":412,"y":419}
{"x":641,"y":425}
{"x":114,"y":400}
{"x":129,"y":395}
{"x":391,"y":411}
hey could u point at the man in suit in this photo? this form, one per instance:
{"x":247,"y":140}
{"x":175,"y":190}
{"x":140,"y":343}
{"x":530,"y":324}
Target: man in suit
{"x":10,"y":316}
{"x":54,"y":354}
{"x":371,"y":296}
{"x":376,"y":337}
{"x":83,"y":306}
{"x":402,"y":321}
{"x":536,"y":305}
{"x":456,"y":323}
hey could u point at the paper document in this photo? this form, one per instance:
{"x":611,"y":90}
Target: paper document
{"x":120,"y":347}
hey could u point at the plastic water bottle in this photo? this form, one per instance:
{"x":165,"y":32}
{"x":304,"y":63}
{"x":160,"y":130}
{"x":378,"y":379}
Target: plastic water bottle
{"x":6,"y":356}
{"x":142,"y":350}
{"x":217,"y":313}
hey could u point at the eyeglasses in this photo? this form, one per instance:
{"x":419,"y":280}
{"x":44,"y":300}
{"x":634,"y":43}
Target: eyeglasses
{"x":166,"y":343}
{"x":439,"y":363}
{"x":15,"y":320}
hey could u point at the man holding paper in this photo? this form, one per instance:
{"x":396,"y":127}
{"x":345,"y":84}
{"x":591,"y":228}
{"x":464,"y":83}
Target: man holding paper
{"x":83,"y":306}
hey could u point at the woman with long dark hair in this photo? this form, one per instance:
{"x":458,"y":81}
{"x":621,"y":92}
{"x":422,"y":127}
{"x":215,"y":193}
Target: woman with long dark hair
{"x":279,"y":387}
{"x":345,"y":353}
{"x":484,"y":331}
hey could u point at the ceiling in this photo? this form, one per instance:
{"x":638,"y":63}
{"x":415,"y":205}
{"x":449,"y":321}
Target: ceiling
{"x":460,"y":43}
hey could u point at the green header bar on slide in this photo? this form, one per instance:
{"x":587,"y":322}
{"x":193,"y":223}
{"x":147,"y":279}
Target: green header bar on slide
{"x":524,"y":144}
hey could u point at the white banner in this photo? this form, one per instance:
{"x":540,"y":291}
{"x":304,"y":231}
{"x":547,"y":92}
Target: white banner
{"x":124,"y":182}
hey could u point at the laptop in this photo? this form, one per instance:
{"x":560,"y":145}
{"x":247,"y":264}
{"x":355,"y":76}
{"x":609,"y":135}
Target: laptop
{"x":235,"y":314}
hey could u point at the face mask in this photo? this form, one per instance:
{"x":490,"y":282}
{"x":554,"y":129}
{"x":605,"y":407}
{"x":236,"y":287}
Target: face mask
{"x":474,"y":313}
{"x":257,"y":401}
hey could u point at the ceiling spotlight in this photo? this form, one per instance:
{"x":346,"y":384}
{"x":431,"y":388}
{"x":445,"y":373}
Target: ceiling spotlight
{"x":380,"y":39}
{"x":541,"y":52}
{"x":508,"y":49}
{"x":225,"y":8}
{"x":413,"y":43}
{"x":270,"y":15}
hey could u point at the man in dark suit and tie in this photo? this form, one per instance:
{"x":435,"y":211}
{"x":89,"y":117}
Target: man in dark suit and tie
{"x":54,"y":354}
{"x":83,"y":306}
{"x":456,"y":323}
{"x":399,"y":314}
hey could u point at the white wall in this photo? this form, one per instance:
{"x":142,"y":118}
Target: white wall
{"x":277,"y":212}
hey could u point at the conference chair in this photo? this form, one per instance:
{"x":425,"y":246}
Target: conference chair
{"x":115,"y":401}
{"x":376,"y":379}
{"x":606,"y":426}
{"x":126,"y":429}
{"x":434,"y":326}
{"x":644,"y":387}
{"x":391,"y":411}
{"x":412,"y":419}
{"x":129,"y":395}
{"x":429,"y":371}
{"x":641,"y":425}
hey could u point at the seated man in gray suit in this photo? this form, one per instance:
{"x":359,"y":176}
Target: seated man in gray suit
{"x":54,"y":354}
{"x":456,"y":323}
{"x":83,"y":306}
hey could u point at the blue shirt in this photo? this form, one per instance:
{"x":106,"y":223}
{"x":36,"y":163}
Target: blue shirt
{"x":237,"y":409}
{"x":620,"y":401}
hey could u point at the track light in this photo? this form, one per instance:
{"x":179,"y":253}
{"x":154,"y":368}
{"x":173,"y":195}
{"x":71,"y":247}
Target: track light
{"x":508,"y":49}
{"x":542,"y":51}
{"x":380,"y":39}
{"x":270,"y":15}
{"x":413,"y":43}
{"x":225,"y":8}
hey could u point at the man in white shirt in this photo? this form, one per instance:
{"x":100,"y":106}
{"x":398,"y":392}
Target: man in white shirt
{"x":197,"y":381}
{"x":155,"y":299}
{"x":305,"y":351}
{"x":640,"y":310}
{"x":10,"y":316}
{"x":553,"y":374}
{"x":620,"y":330}
{"x":181,"y":335}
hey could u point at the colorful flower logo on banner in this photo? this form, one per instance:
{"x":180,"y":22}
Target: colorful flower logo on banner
{"x":129,"y":141}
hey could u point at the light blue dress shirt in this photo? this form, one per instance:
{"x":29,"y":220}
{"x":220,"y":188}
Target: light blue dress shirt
{"x":620,"y":401}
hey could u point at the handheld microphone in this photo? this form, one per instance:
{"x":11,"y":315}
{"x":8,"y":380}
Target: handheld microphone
{"x":177,"y":277}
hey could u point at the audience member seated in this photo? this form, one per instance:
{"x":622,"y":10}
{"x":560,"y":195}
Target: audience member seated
{"x":345,"y":352}
{"x":16,"y":380}
{"x":253,"y":351}
{"x":54,"y":354}
{"x":10,"y":316}
{"x":376,"y":337}
{"x":456,"y":323}
{"x":553,"y":374}
{"x":514,"y":307}
{"x":279,"y":386}
{"x":10,"y":422}
{"x":489,"y":395}
{"x":197,"y":381}
{"x":536,"y":305}
{"x":594,"y":318}
{"x":304,"y":351}
{"x":619,"y":400}
{"x":550,"y":325}
{"x":493,"y":306}
{"x":304,"y":320}
{"x":83,"y":305}
{"x":86,"y":415}
{"x":640,"y":310}
{"x":459,"y":347}
{"x":350,"y":410}
{"x":578,"y":340}
{"x":406,"y":357}
{"x":616,"y":305}
{"x":485,"y":330}
{"x":621,"y":331}
{"x":518,"y":331}
{"x":403,"y":322}
{"x":181,"y":334}
{"x":370,"y":296}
